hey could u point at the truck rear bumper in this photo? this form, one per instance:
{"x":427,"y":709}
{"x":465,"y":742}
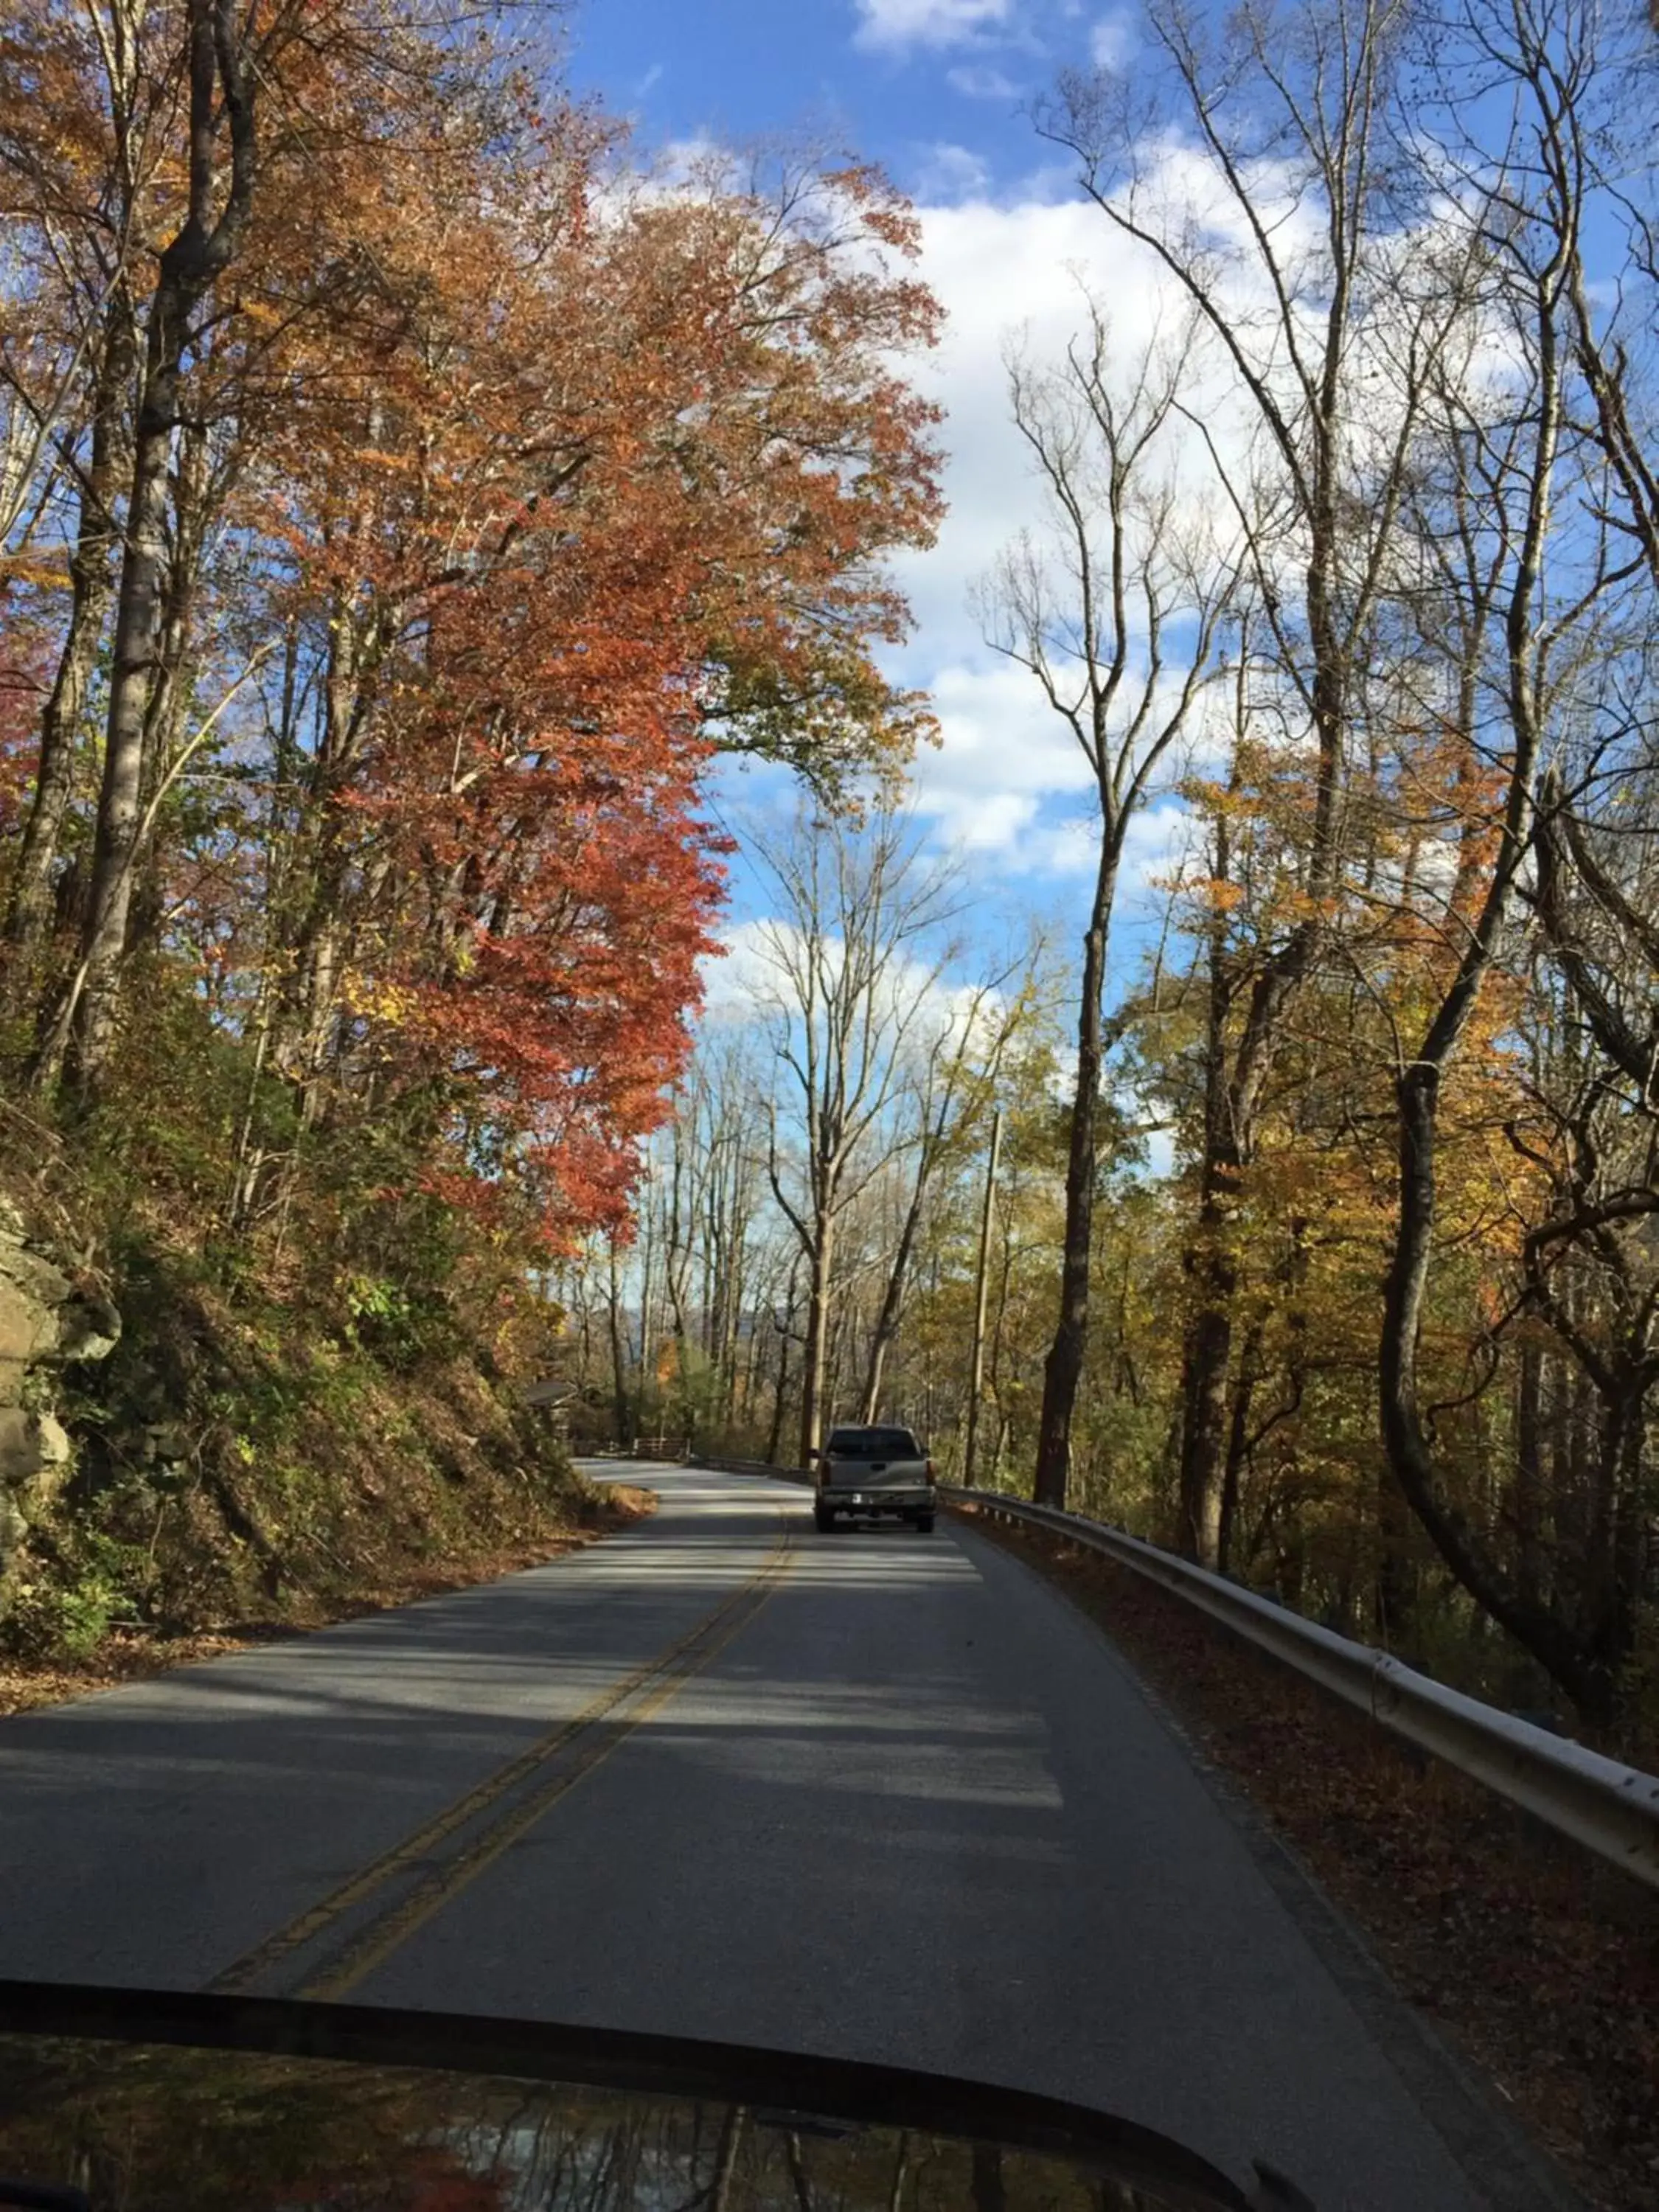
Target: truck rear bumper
{"x":876,"y":1501}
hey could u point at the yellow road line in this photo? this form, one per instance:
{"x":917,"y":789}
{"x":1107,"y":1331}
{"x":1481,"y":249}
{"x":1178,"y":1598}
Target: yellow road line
{"x":240,"y":1975}
{"x":441,"y":1885}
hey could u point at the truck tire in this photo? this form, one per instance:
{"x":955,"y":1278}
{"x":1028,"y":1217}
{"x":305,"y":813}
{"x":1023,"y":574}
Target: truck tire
{"x":824,"y":1519}
{"x":924,"y":1523}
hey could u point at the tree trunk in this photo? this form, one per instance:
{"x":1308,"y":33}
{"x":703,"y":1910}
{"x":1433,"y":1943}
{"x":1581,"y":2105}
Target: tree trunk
{"x":191,"y":261}
{"x":815,"y":1355}
{"x":892,"y":1303}
{"x":726,"y":2159}
{"x":898,"y":1275}
{"x":873,"y":1375}
{"x":618,"y":1355}
{"x":315,"y":936}
{"x":169,"y":692}
{"x":1613,"y":1582}
{"x":1630,"y":1548}
{"x":1238,"y":1452}
{"x":1063,"y":1368}
{"x":90,"y":591}
{"x":982,"y":1286}
{"x":120,"y":801}
{"x":1581,"y":1672}
{"x":990,"y":2192}
{"x":1528,"y":1495}
{"x":774,"y":1435}
{"x":1211,"y":1268}
{"x":1394,"y":1584}
{"x":1207,"y":1355}
{"x":647,"y":1297}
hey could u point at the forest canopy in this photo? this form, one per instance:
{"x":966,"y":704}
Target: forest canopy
{"x":410,"y":489}
{"x":409,"y":493}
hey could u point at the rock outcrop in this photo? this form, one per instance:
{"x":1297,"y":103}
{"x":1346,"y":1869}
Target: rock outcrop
{"x":45,"y":1323}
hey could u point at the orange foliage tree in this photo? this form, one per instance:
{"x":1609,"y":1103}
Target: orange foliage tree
{"x":502,"y":489}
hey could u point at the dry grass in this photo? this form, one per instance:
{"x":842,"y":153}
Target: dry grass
{"x":1540,"y":1965}
{"x":127,"y":1656}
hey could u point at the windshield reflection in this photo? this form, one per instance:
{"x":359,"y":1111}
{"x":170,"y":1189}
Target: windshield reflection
{"x":160,"y":2130}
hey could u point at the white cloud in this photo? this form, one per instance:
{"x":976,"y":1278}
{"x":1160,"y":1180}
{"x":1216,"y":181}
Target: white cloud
{"x":739,"y":979}
{"x":1003,"y":751}
{"x":1007,"y":763}
{"x":1158,"y":848}
{"x":951,"y":174}
{"x":1111,"y":42}
{"x":979,"y":80}
{"x":1073,"y":847}
{"x":897,"y":26}
{"x":999,"y":269}
{"x":917,"y":1004}
{"x":1008,"y":782}
{"x":1159,"y":844}
{"x":1022,"y":270}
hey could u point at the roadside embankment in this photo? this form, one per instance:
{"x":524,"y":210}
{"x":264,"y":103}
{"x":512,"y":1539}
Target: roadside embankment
{"x":197,"y":1450}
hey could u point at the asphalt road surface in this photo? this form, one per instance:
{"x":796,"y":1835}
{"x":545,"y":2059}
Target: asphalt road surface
{"x":874,"y":1794}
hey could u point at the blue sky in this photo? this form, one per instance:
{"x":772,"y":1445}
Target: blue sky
{"x":936,"y":90}
{"x":916,"y":84}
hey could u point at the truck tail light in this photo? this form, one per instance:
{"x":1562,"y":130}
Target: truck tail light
{"x":932,"y":1472}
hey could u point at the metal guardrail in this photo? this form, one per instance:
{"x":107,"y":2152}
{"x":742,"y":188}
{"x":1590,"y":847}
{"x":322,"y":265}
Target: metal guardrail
{"x":1611,"y":1809}
{"x":676,"y":1454}
{"x":751,"y":1466}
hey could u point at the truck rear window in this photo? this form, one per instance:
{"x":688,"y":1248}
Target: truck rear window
{"x":873,"y":1443}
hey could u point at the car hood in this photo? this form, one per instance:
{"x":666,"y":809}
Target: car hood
{"x":161,"y":2101}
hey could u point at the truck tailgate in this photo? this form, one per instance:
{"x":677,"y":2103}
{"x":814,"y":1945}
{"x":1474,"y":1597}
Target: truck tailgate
{"x":876,"y":1474}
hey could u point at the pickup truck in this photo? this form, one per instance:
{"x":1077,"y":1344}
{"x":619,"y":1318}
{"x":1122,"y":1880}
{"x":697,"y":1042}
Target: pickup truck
{"x":864,"y":1472}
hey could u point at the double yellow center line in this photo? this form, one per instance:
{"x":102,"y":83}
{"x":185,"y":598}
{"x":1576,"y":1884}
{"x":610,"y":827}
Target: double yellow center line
{"x":331,"y":1947}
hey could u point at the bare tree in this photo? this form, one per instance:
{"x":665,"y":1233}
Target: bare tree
{"x":1117,"y":612}
{"x":949,"y":1092}
{"x":854,"y":952}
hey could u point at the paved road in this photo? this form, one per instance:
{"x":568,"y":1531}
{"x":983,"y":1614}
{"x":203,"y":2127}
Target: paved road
{"x":873,"y":1793}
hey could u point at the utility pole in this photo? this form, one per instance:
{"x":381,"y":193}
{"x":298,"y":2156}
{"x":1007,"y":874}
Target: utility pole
{"x":976,"y":1378}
